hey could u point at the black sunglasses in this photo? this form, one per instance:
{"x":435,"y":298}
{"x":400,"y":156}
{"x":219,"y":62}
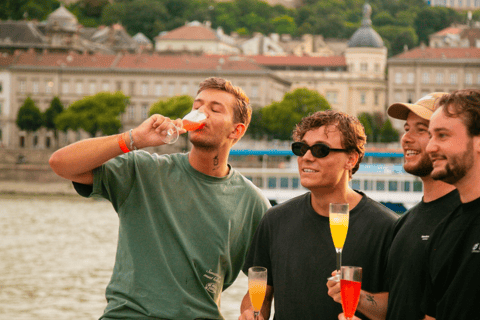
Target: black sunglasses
{"x":319,"y":150}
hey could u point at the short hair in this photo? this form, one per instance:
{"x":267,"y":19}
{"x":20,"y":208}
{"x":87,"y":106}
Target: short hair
{"x":465,"y":104}
{"x":353,"y":133}
{"x":242,"y":110}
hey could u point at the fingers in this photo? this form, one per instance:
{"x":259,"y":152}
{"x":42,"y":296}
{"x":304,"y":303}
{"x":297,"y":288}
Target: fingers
{"x":247,"y":315}
{"x":334,"y":290}
{"x":341,"y":316}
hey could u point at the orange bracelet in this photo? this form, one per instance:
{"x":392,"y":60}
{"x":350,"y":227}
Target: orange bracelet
{"x":122,"y":144}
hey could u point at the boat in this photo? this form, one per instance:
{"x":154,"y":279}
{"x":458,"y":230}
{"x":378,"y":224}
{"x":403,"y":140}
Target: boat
{"x":381,"y":176}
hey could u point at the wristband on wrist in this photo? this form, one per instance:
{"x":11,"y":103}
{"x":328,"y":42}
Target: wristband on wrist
{"x":122,"y":144}
{"x":132,"y":146}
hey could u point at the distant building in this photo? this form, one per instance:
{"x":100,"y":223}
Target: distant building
{"x":457,"y":36}
{"x":422,"y":70}
{"x":145,"y":78}
{"x":455,"y":4}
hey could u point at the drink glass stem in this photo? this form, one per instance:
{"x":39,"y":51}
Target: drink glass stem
{"x":339,"y":260}
{"x":255,"y":315}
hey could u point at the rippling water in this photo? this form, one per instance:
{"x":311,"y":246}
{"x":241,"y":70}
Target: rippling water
{"x":56,"y":258}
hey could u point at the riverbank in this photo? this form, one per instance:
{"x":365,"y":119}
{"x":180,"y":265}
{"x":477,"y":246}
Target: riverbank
{"x":48,"y":189}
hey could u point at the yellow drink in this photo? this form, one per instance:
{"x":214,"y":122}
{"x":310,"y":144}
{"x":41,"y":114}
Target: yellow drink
{"x":257,"y":289}
{"x":338,"y":228}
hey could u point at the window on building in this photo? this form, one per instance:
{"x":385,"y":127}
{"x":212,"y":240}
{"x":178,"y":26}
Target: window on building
{"x":131,"y":112}
{"x":144,"y":89}
{"x":468,"y":78}
{"x":35,"y":87}
{"x":376,"y":98}
{"x":119,"y":85}
{"x":48,"y":86}
{"x":1,"y":87}
{"x":478,"y":75}
{"x":65,"y":87}
{"x":453,"y":78}
{"x":398,"y":96}
{"x":367,"y":185}
{"x":380,"y":185}
{"x":410,"y":97}
{"x":105,"y":86}
{"x":410,"y":78}
{"x":131,"y":88}
{"x":363,"y":98}
{"x":364,"y":67}
{"x":398,"y":77}
{"x":377,"y":67}
{"x":392,"y":185}
{"x":79,"y":88}
{"x":406,"y":186}
{"x":332,"y":97}
{"x":35,"y":141}
{"x":426,"y":78}
{"x":284,"y":183}
{"x":144,"y":111}
{"x":92,"y":88}
{"x":23,"y":86}
{"x":272,"y":182}
{"x":439,"y":78}
{"x":255,"y":91}
{"x":356,"y":184}
{"x":171,"y":89}
{"x":22,"y":142}
{"x":295,"y":183}
{"x":158,"y":89}
{"x":184,"y":88}
{"x":48,"y":142}
{"x":417,"y":186}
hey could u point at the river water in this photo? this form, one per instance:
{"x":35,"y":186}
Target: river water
{"x":56,"y":258}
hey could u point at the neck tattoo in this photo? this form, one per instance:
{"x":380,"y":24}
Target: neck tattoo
{"x":215,"y":162}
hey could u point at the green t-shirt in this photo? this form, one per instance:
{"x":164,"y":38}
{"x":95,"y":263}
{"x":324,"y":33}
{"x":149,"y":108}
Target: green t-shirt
{"x":183,"y":235}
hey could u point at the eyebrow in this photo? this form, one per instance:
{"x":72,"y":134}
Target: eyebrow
{"x":212,"y":102}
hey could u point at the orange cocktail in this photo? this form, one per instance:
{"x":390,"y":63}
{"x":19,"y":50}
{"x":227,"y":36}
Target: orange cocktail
{"x":257,"y":289}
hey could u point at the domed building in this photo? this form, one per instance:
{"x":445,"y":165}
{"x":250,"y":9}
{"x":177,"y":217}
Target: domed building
{"x":366,"y":59}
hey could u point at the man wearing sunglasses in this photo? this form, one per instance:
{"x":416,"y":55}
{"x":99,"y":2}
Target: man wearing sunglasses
{"x":412,"y":231}
{"x":293,"y":240}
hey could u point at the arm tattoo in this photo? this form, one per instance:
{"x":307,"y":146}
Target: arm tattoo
{"x":371,"y":298}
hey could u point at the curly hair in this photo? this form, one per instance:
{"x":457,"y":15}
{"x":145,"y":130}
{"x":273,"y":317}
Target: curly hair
{"x":242,"y":110}
{"x":465,"y":104}
{"x":353,"y":133}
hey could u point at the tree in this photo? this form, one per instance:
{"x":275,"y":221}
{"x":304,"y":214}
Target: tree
{"x":372,"y":122}
{"x":175,"y":107}
{"x":388,"y":133}
{"x":279,"y":118}
{"x":56,"y":108}
{"x":29,"y":117}
{"x":94,"y":113}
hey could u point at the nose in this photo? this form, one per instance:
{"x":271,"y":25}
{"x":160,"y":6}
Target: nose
{"x":431,"y":146}
{"x":407,"y":137}
{"x":308,"y":156}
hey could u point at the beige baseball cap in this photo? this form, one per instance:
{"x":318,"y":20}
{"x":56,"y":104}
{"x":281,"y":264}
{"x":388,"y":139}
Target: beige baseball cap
{"x":423,"y":108}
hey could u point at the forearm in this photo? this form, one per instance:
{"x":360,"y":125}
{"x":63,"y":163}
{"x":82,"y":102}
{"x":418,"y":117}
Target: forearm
{"x":77,"y":161}
{"x":373,"y":305}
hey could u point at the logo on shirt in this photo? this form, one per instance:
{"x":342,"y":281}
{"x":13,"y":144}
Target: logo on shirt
{"x":476,"y":248}
{"x":425,"y":238}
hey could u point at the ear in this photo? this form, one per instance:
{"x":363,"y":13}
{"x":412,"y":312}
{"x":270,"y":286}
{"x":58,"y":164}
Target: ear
{"x":352,"y":160}
{"x":238,"y":132}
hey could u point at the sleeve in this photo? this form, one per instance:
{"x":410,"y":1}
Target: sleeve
{"x":112,"y":181}
{"x":259,"y":252}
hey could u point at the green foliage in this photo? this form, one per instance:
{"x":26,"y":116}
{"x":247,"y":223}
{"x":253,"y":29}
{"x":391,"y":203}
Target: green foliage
{"x":388,"y":133}
{"x":30,"y":9}
{"x":284,"y":25}
{"x":376,"y":129}
{"x":175,"y":107}
{"x":279,"y":118}
{"x":433,"y":19}
{"x":56,"y":108}
{"x":93,"y":114}
{"x":29,"y":117}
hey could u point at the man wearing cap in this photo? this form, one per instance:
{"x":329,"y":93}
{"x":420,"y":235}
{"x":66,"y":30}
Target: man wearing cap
{"x":406,"y":278}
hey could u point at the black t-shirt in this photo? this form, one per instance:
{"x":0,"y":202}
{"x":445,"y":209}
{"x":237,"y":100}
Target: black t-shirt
{"x":453,"y":266}
{"x":406,"y":276}
{"x":295,"y":244}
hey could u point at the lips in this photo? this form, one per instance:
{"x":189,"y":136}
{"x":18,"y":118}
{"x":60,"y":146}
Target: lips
{"x":306,"y":170}
{"x":411,"y":153}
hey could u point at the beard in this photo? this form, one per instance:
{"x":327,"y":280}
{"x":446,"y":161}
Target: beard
{"x":457,"y":166}
{"x":422,"y":169}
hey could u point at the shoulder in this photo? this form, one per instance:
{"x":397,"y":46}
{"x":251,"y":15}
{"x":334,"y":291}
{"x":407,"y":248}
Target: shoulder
{"x":288,"y":209}
{"x":376,"y":211}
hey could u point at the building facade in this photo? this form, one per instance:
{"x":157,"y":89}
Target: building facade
{"x":422,"y":70}
{"x":144,"y":78}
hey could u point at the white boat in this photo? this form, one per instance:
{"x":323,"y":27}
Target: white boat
{"x":387,"y":183}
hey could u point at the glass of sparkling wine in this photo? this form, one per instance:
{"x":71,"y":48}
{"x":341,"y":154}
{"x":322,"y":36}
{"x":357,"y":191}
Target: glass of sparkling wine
{"x":257,"y":286}
{"x":350,"y":285}
{"x":191,"y":122}
{"x":338,"y":217}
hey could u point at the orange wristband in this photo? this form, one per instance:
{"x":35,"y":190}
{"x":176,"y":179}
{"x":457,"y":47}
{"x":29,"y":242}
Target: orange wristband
{"x":122,"y":144}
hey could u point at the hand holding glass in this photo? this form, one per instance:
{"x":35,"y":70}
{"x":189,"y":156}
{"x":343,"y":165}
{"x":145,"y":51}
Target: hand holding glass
{"x":191,"y":122}
{"x":339,"y":218}
{"x":257,"y":286}
{"x":350,"y":285}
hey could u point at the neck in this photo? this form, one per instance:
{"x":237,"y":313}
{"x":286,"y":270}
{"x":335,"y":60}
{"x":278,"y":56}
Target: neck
{"x":212,"y":162}
{"x":321,"y":199}
{"x":469,"y":186}
{"x":434,"y":189}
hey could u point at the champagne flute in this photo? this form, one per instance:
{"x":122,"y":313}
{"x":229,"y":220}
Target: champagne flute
{"x":350,"y":285}
{"x":191,"y":122}
{"x":257,"y":286}
{"x":338,"y":217}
